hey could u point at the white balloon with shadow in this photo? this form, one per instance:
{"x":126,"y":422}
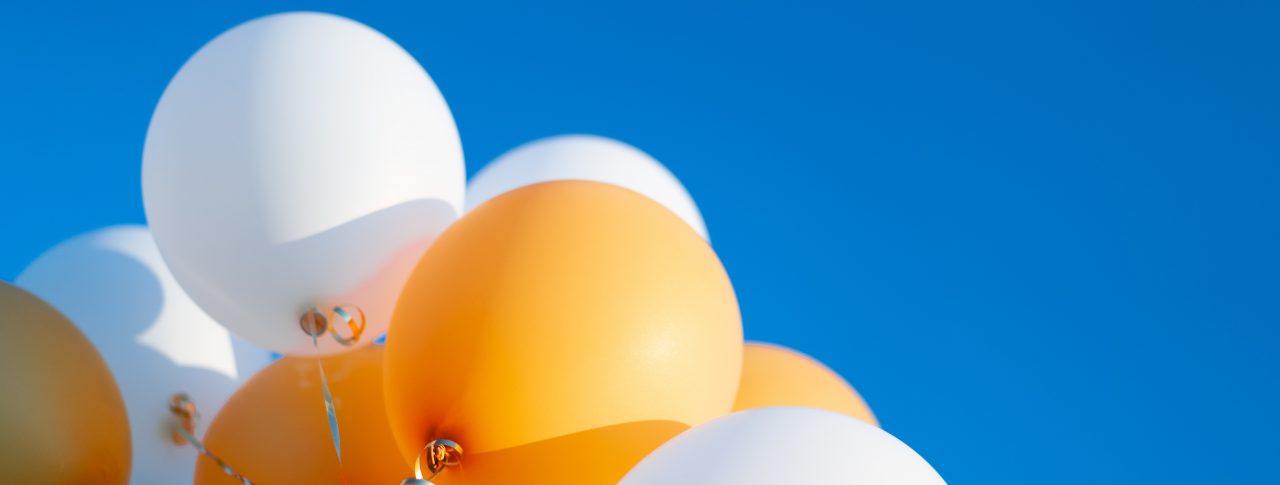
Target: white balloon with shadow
{"x":775,"y":445}
{"x":299,"y":160}
{"x":114,"y":286}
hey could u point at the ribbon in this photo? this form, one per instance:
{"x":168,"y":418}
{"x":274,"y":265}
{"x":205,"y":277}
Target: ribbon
{"x":181,"y":406}
{"x":331,"y":411}
{"x":355,"y":325}
{"x":315,"y":324}
{"x":436,"y":455}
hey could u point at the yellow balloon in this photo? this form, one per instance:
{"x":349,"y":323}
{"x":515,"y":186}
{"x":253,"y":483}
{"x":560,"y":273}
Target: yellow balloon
{"x":557,"y":309}
{"x":62,"y":418}
{"x":778,"y":376}
{"x":275,"y":429}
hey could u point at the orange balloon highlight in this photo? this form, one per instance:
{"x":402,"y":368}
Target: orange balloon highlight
{"x":778,"y":376}
{"x":275,"y":430}
{"x":62,"y":418}
{"x":552,"y":317}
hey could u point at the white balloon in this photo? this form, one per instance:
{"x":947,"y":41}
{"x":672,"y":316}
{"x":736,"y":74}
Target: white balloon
{"x":584,"y":157}
{"x":299,"y":160}
{"x":784,"y":445}
{"x":114,"y":286}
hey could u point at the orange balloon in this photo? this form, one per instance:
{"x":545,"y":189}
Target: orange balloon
{"x":777,"y":376}
{"x":555,"y":309}
{"x":275,"y":430}
{"x":62,"y":418}
{"x":600,"y":455}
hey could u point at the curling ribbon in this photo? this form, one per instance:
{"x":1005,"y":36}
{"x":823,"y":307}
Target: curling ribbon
{"x":314,"y":324}
{"x":181,"y":406}
{"x":333,"y":413}
{"x":437,"y":455}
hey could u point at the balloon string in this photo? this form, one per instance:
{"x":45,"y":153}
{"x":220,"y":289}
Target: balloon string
{"x":181,"y":406}
{"x":315,"y":324}
{"x":436,"y":455}
{"x":329,"y":409}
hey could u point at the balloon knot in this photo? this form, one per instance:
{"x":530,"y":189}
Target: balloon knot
{"x":434,"y":457}
{"x":182,"y":407}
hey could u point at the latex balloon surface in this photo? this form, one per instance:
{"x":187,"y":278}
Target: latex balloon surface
{"x":62,"y":420}
{"x":769,"y":446}
{"x":778,"y":376}
{"x":299,"y":160}
{"x":275,"y":429}
{"x":584,"y":157}
{"x":601,"y":455}
{"x":561,"y":308}
{"x":113,"y":284}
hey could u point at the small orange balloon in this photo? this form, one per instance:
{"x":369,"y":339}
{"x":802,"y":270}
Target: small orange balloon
{"x":62,"y":418}
{"x":778,"y":376}
{"x":275,"y":429}
{"x":551,"y":322}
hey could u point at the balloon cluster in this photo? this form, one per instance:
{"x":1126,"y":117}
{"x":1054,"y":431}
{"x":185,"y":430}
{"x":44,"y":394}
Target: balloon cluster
{"x":563,"y":319}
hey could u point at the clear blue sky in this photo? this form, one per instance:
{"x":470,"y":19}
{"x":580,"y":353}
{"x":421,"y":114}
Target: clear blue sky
{"x":1042,"y":238}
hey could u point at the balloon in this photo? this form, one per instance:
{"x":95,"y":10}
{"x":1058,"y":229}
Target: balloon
{"x":561,"y":308}
{"x":584,"y":157}
{"x":114,"y":286}
{"x":784,"y":445}
{"x":778,"y":376}
{"x":275,"y":429}
{"x":61,"y":417}
{"x":299,"y":160}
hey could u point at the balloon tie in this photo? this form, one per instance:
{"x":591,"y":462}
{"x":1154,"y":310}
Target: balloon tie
{"x":183,"y":408}
{"x":435,"y":456}
{"x":314,"y":324}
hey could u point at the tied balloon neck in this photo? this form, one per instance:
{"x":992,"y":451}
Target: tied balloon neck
{"x":182,"y":407}
{"x":433,"y":459}
{"x":315,"y":323}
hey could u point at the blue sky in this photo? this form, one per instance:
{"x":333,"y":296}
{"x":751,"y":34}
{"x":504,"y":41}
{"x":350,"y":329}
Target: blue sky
{"x":1041,"y":238}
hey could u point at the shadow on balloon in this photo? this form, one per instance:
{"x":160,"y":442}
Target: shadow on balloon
{"x":601,"y":455}
{"x":115,"y":299}
{"x":387,"y":225}
{"x":362,"y":262}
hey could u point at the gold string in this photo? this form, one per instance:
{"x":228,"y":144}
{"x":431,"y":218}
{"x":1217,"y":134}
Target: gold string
{"x":181,"y":406}
{"x":436,"y":455}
